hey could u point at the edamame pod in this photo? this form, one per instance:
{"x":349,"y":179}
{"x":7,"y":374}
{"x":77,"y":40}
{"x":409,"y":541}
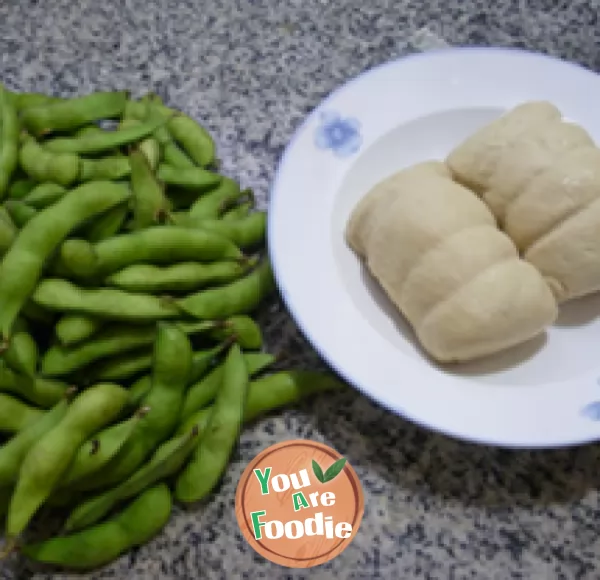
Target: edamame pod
{"x":108,"y":224}
{"x":178,"y":278}
{"x":157,"y":245}
{"x":27,"y":100}
{"x":44,"y":195}
{"x":51,"y":456}
{"x":166,"y":461}
{"x":42,"y":165}
{"x":108,"y":168}
{"x":22,"y":354}
{"x":246,"y":233}
{"x":19,"y":211}
{"x":149,"y":201}
{"x":203,"y":392}
{"x":240,"y":297}
{"x":101,"y":141}
{"x":74,"y":328}
{"x":170,"y":372}
{"x":238,"y":212}
{"x":246,"y":331}
{"x":193,"y":138}
{"x":7,"y":236}
{"x":190,"y":177}
{"x":121,"y":367}
{"x":22,"y":265}
{"x":97,"y":452}
{"x":107,"y":303}
{"x":215,"y":202}
{"x":70,"y":114}
{"x":20,"y":188}
{"x":138,"y":523}
{"x":14,"y":451}
{"x":16,"y":415}
{"x":60,"y":360}
{"x":9,"y":141}
{"x":213,"y":452}
{"x":175,"y":157}
{"x":272,"y":392}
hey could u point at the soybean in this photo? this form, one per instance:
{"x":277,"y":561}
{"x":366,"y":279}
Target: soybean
{"x":97,"y":452}
{"x":22,"y":353}
{"x":137,"y":524}
{"x":149,"y":201}
{"x":189,"y":177}
{"x":214,"y":203}
{"x":175,"y":157}
{"x":166,"y":461}
{"x":42,"y":165}
{"x":212,"y":455}
{"x":106,"y":303}
{"x":122,"y":367}
{"x":157,"y":245}
{"x":247,"y":333}
{"x":14,"y":451}
{"x":108,"y":224}
{"x":178,"y":278}
{"x":70,"y":114}
{"x":170,"y":372}
{"x":248,"y":232}
{"x":74,"y":328}
{"x":238,"y":212}
{"x":240,"y":297}
{"x":44,"y":195}
{"x":15,"y":415}
{"x":101,"y":141}
{"x":108,"y":168}
{"x":19,"y":211}
{"x":60,"y":360}
{"x":194,"y":139}
{"x":200,"y":394}
{"x":51,"y":456}
{"x":20,"y":188}
{"x":9,"y":141}
{"x":272,"y":392}
{"x":22,"y":265}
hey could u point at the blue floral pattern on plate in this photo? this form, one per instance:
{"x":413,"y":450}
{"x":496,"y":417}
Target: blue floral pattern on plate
{"x":342,"y":136}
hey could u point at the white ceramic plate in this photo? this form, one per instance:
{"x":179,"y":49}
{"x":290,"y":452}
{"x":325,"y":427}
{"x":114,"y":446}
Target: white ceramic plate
{"x":544,"y":393}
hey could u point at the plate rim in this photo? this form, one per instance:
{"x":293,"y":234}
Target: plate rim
{"x":275,"y":261}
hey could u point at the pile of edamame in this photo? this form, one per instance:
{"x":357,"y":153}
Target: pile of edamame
{"x":130,"y":269}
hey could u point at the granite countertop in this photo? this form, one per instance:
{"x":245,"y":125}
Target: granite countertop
{"x":251,"y":69}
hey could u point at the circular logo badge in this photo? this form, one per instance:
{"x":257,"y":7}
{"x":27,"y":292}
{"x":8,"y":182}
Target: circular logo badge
{"x":299,"y":503}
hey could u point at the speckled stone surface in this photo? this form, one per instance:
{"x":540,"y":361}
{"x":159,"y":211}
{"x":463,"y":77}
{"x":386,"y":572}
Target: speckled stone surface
{"x":251,"y":69}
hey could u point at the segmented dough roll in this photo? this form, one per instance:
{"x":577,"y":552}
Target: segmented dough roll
{"x":435,"y":249}
{"x":544,"y":189}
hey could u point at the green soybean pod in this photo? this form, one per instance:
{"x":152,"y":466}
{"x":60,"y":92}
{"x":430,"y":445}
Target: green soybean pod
{"x":19,"y":211}
{"x":102,"y":141}
{"x":42,"y":165}
{"x":272,"y":392}
{"x":203,"y":392}
{"x":179,"y":278}
{"x":137,"y":524}
{"x":20,"y":188}
{"x":38,"y":391}
{"x":22,"y":353}
{"x":214,"y":203}
{"x":240,"y":297}
{"x":238,"y":212}
{"x":108,"y":224}
{"x":9,"y":140}
{"x":166,"y":461}
{"x":71,"y":114}
{"x":61,"y":360}
{"x":97,"y":452}
{"x":14,"y":451}
{"x":44,"y":195}
{"x":16,"y":415}
{"x":74,"y":328}
{"x":246,"y":233}
{"x":190,"y":177}
{"x":150,"y":147}
{"x":212,"y":455}
{"x":194,"y":139}
{"x":27,"y":100}
{"x":120,"y":368}
{"x":51,"y":456}
{"x":7,"y":236}
{"x":175,"y":157}
{"x":110,"y":168}
{"x":107,"y":303}
{"x":156,"y":244}
{"x":171,"y":369}
{"x":22,"y":265}
{"x":245,"y":330}
{"x":149,"y":201}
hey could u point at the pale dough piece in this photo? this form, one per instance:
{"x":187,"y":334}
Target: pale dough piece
{"x":467,"y":252}
{"x":505,"y":305}
{"x":555,"y":195}
{"x":474,"y":160}
{"x":418,"y":219}
{"x":569,"y":255}
{"x":360,"y":220}
{"x":535,"y":151}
